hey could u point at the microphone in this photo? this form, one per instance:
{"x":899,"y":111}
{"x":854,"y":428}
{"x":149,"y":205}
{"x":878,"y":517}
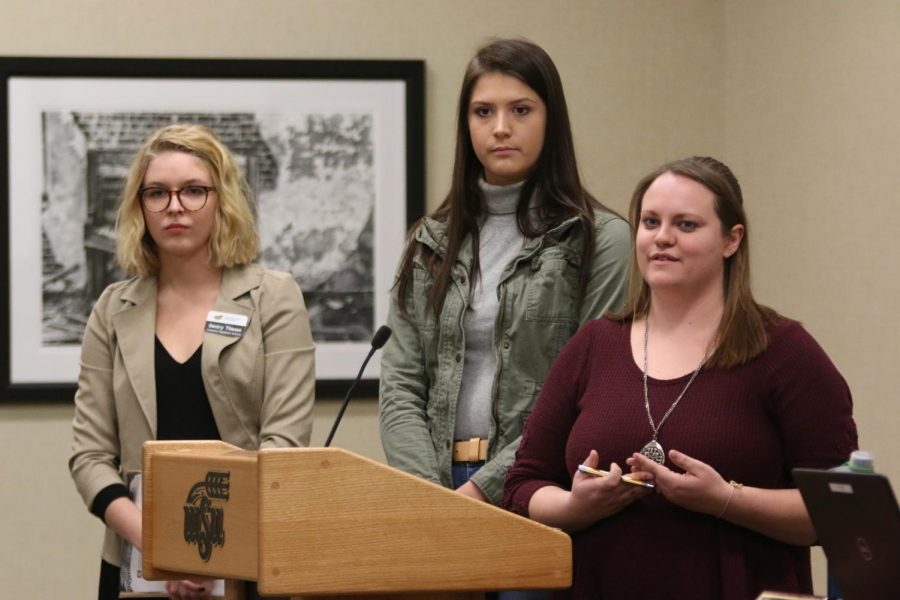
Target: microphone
{"x":378,"y":340}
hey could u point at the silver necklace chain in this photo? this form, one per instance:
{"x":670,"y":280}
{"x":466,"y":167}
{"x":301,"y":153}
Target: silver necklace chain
{"x":653,"y":425}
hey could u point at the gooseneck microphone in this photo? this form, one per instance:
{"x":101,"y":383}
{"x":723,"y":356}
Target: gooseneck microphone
{"x":378,"y":340}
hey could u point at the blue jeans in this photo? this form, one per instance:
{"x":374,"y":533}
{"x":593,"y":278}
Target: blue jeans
{"x":461,"y":472}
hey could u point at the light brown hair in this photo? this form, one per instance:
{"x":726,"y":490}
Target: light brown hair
{"x":742,"y":331}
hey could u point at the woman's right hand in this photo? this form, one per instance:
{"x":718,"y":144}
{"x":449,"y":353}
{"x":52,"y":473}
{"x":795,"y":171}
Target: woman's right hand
{"x":593,"y":498}
{"x":190,"y":590}
{"x":590,"y":499}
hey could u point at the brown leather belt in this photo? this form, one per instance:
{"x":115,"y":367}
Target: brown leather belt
{"x":473,"y":450}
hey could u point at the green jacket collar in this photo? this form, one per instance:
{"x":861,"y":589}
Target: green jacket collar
{"x":433,"y":233}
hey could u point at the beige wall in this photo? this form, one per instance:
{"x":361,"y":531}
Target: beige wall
{"x":795,"y":95}
{"x":813,"y":130}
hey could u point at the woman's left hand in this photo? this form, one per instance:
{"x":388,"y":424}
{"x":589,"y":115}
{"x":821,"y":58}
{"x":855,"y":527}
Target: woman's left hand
{"x":187,"y":589}
{"x":700,"y":488}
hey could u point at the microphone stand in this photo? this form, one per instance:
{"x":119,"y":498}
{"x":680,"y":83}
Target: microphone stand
{"x":378,"y":340}
{"x":340,"y":415}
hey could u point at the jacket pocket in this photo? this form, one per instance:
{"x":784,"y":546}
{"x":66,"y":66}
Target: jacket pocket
{"x":514,"y":422}
{"x":552,"y":289}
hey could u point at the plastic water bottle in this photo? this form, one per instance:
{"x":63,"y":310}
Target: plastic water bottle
{"x":860,"y":461}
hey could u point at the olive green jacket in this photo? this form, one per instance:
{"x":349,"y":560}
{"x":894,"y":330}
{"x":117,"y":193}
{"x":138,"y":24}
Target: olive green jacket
{"x":422,"y":363}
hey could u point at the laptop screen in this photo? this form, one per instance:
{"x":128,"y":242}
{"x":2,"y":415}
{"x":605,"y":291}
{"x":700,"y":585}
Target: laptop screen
{"x":857,"y":521}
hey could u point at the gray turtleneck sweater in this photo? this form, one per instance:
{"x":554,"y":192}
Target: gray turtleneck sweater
{"x":499,"y":242}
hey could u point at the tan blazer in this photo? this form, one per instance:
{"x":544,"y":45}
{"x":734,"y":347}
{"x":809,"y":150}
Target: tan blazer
{"x":261,"y":385}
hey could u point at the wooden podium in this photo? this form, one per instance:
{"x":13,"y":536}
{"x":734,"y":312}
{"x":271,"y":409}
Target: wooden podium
{"x":328,"y":522}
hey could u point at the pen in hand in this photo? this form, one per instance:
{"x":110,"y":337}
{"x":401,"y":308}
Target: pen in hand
{"x":625,"y":478}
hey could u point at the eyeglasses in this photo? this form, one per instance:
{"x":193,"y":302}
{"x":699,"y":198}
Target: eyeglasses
{"x":157,"y":199}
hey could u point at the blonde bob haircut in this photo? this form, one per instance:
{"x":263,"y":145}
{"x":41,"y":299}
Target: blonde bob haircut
{"x":233,"y":240}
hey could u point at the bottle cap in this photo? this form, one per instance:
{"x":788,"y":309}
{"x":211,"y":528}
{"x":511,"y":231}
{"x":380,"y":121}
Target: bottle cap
{"x":862,"y":461}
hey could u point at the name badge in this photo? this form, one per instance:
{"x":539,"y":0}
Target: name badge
{"x":226,"y":323}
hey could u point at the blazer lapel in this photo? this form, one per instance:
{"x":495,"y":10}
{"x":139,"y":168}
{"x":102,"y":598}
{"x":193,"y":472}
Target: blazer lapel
{"x":134,"y":327}
{"x":234,"y":299}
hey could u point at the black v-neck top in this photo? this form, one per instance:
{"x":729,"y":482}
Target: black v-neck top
{"x":182,"y":406}
{"x":182,"y":411}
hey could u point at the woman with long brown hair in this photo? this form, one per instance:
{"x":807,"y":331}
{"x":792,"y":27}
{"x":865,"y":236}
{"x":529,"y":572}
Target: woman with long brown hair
{"x":709,"y":396}
{"x":496,"y":280}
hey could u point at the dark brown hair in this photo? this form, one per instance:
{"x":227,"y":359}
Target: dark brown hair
{"x":554,"y":181}
{"x":742,"y":331}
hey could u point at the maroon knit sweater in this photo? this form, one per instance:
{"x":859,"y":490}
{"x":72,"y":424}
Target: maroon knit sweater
{"x":788,"y":407}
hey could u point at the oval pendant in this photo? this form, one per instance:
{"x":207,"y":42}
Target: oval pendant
{"x":654,"y":452}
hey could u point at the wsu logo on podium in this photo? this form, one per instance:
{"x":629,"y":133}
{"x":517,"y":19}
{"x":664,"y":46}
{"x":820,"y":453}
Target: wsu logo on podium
{"x":204,"y":521}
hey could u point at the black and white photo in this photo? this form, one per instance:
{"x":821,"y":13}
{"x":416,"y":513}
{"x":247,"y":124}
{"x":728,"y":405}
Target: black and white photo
{"x":328,"y":160}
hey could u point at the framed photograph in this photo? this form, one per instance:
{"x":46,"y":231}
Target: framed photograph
{"x":332,"y":149}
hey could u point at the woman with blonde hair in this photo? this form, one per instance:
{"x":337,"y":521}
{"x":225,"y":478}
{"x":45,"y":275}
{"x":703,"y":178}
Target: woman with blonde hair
{"x":198,"y":344}
{"x":708,"y":395}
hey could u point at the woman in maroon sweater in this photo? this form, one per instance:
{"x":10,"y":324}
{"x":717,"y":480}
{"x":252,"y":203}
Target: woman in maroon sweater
{"x":697,"y":388}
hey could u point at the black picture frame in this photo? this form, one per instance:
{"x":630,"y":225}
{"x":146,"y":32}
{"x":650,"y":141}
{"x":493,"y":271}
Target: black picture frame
{"x":390,"y":83}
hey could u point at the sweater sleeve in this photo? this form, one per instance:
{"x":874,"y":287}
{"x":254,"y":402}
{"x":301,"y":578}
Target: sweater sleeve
{"x":811,"y":400}
{"x":105,"y":497}
{"x":541,"y":457}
